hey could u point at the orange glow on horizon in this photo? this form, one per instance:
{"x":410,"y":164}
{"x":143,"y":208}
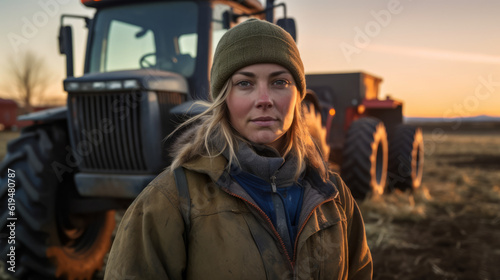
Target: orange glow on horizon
{"x":448,"y":113}
{"x":436,"y":54}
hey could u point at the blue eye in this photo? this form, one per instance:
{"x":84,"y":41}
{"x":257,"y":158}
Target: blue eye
{"x":243,"y":84}
{"x":281,"y":82}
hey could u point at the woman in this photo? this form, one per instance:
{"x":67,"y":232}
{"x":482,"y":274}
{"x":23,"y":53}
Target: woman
{"x":262,"y":203}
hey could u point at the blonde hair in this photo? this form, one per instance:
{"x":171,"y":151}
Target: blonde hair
{"x":214,"y":134}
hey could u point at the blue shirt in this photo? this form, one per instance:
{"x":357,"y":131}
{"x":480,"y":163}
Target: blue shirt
{"x":261,"y":192}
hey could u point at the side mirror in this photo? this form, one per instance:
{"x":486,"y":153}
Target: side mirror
{"x":66,"y":47}
{"x":66,"y":41}
{"x":289,"y":25}
{"x":65,"y":33}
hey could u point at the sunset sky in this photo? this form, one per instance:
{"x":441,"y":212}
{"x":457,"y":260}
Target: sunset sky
{"x":441,"y":57}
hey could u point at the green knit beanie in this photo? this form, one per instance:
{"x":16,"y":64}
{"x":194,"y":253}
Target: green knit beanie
{"x":251,"y":42}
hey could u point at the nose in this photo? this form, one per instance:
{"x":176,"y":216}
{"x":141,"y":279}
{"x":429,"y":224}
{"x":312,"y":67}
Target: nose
{"x":264,"y":99}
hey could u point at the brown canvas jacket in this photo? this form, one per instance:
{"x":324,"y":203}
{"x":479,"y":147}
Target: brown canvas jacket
{"x":231,"y":238}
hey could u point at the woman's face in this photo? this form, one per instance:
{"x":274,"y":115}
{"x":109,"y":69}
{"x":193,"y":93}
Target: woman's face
{"x":261,"y":103}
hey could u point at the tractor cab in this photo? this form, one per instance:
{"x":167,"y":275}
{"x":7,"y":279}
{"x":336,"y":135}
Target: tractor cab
{"x":177,"y":37}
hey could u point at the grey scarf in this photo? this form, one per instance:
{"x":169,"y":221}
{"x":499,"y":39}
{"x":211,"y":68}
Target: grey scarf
{"x":265,"y":162}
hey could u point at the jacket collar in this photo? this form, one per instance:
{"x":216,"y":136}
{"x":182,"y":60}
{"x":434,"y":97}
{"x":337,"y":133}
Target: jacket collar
{"x":215,"y":168}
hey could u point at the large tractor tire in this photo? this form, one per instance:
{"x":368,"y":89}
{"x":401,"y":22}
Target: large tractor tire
{"x":406,"y":158}
{"x":365,"y":157}
{"x":49,"y":240}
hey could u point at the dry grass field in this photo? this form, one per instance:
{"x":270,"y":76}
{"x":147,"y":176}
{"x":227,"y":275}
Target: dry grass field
{"x":450,"y":227}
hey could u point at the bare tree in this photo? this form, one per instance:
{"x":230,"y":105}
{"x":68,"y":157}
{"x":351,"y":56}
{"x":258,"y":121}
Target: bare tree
{"x":28,"y":79}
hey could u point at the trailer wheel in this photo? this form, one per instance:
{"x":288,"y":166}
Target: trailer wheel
{"x":406,"y":158}
{"x":50,"y":242}
{"x":364,"y":158}
{"x":312,"y":117}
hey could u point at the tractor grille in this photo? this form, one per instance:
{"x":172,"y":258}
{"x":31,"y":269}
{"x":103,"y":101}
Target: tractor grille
{"x":107,"y":132}
{"x":106,"y":129}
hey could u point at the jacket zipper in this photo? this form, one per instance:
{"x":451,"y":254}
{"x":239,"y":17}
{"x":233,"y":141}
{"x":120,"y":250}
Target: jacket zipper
{"x":273,"y":186}
{"x":270,"y":223}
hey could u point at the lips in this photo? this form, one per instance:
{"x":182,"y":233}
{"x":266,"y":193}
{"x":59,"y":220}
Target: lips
{"x":264,"y":121}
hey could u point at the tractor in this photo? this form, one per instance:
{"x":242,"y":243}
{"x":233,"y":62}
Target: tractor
{"x":146,"y":63}
{"x":368,"y":141}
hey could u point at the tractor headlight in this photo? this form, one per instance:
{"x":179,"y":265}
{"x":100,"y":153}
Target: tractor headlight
{"x":101,"y":85}
{"x":72,"y":86}
{"x":112,"y":85}
{"x":130,"y":84}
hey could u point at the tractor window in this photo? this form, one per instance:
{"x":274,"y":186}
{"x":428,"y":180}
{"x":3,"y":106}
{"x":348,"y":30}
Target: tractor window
{"x":217,"y":26}
{"x":127,"y":44}
{"x":157,"y":35}
{"x":187,"y":44}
